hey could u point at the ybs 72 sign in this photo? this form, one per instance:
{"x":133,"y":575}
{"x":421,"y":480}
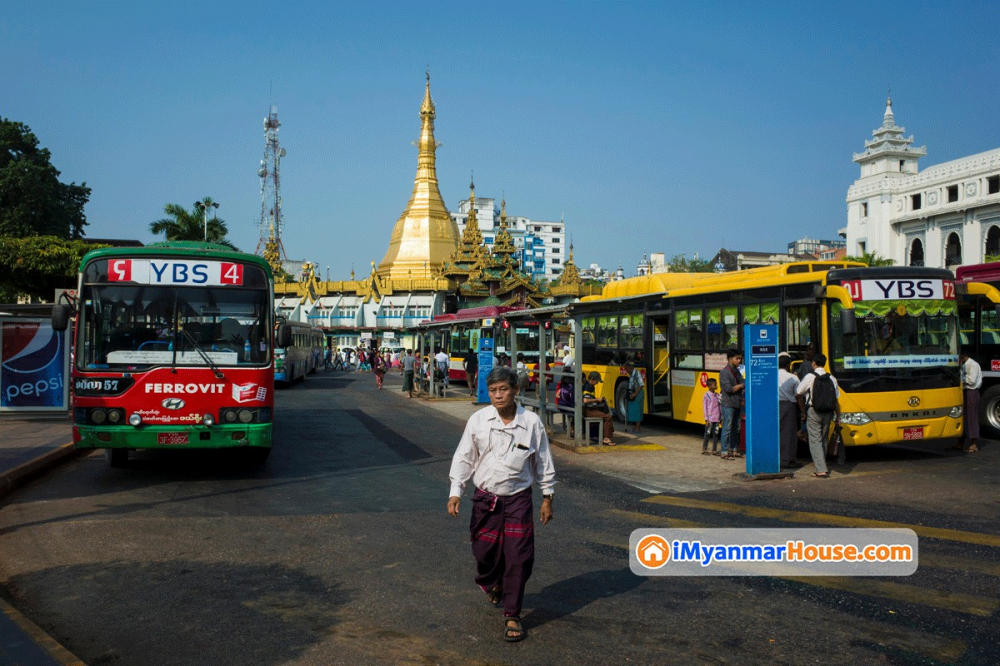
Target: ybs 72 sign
{"x":175,"y":272}
{"x":892,"y":290}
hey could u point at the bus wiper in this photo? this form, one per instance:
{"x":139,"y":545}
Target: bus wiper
{"x":207,"y":359}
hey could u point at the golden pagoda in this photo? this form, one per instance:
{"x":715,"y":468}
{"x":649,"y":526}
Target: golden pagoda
{"x":425,"y":236}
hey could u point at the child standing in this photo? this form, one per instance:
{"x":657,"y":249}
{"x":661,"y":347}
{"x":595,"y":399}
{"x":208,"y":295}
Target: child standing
{"x":713,"y":415}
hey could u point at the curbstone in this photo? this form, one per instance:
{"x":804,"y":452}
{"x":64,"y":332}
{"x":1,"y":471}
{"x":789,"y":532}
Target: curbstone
{"x":16,"y":477}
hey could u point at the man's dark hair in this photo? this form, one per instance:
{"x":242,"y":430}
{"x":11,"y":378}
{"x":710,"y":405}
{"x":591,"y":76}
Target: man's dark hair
{"x":784,"y":361}
{"x":502,"y":374}
{"x":520,"y":356}
{"x":409,"y":351}
{"x":732,"y":353}
{"x":819,"y":360}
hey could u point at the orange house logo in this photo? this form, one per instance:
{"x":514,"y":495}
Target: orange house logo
{"x":652,"y":551}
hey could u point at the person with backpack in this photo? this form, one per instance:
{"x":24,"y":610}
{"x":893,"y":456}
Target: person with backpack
{"x":818,"y":395}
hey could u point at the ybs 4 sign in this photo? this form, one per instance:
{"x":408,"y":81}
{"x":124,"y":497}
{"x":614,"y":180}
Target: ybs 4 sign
{"x":892,"y":290}
{"x":175,"y":272}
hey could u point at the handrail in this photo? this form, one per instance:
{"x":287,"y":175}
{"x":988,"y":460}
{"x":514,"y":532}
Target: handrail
{"x":983,"y":289}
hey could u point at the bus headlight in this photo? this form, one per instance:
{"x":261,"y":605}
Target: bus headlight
{"x":135,"y":420}
{"x":245,"y":415}
{"x":98,"y":416}
{"x":855,"y":418}
{"x":208,"y":420}
{"x":956,"y":412}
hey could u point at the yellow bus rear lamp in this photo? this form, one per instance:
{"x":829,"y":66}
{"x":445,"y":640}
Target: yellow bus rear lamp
{"x":855,"y":418}
{"x":208,"y":420}
{"x":956,"y":412}
{"x":135,"y":420}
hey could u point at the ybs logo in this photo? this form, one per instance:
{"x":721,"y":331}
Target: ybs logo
{"x":172,"y":403}
{"x":32,"y":365}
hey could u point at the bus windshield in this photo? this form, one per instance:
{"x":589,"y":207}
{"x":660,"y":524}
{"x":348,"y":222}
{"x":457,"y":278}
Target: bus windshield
{"x":899,"y":345}
{"x":136,"y":327}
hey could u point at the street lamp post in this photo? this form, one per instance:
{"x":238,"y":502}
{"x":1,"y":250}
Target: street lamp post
{"x":203,"y":206}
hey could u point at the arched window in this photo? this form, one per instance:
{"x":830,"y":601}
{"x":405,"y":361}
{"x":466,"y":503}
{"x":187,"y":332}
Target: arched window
{"x":916,"y":252}
{"x":993,"y":244}
{"x":953,"y":250}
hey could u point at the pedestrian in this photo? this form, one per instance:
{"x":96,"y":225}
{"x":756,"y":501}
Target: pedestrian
{"x":712,"y":410}
{"x":972,"y":380}
{"x":634,"y":400}
{"x":788,"y":410}
{"x":818,"y":395}
{"x":807,"y":364}
{"x":567,"y":359}
{"x":523,"y":379}
{"x":443,"y":361}
{"x":504,"y":451}
{"x":409,"y":361}
{"x":472,"y":370}
{"x":378,"y":368}
{"x":731,"y":387}
{"x":598,"y":408}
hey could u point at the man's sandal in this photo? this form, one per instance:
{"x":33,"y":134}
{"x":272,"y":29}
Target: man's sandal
{"x":495,"y":595}
{"x":513,"y":633}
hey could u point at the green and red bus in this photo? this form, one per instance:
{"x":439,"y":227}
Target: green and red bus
{"x":173,"y":348}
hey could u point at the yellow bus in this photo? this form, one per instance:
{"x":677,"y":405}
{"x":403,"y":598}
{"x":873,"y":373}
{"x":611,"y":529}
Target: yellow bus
{"x":889,"y":334}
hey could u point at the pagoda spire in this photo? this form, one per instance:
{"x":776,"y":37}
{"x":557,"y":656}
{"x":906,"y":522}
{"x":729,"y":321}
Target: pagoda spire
{"x":425,"y":236}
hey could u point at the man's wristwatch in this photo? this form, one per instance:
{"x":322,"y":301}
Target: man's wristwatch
{"x":549,"y":496}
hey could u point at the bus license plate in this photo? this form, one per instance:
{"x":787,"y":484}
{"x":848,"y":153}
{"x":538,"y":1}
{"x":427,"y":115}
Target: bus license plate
{"x":173,"y":438}
{"x":913,"y":433}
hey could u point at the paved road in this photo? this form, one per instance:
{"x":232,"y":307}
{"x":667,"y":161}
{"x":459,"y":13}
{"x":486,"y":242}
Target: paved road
{"x":339,"y":551}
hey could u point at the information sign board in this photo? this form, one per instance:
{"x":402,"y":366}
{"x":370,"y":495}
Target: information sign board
{"x":762,"y":422}
{"x":485,"y":365}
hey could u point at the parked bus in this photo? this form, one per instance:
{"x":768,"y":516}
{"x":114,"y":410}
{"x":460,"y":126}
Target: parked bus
{"x":979,"y":332}
{"x":890,"y":336}
{"x":303,"y":356}
{"x":172,"y":349}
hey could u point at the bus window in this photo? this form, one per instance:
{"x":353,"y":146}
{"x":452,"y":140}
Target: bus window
{"x":967,"y":325}
{"x":607,"y":340}
{"x":631,"y":332}
{"x":751,"y":314}
{"x":688,"y":329}
{"x":587,"y":328}
{"x":798,"y":328}
{"x":730,"y":327}
{"x":770,"y":313}
{"x":989,"y":336}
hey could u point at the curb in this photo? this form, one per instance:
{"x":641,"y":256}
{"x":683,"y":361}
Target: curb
{"x":618,"y":448}
{"x":16,"y":477}
{"x":46,"y":643}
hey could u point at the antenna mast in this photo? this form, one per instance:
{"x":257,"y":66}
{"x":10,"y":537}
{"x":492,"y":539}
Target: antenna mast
{"x":271,"y":221}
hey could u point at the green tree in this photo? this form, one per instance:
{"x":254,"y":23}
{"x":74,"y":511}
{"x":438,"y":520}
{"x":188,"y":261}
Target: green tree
{"x":681,"y":264}
{"x":870,"y":259}
{"x":39,"y":265}
{"x":188,"y":225}
{"x":33,"y":202}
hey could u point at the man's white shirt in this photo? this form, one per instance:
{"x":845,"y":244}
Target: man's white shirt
{"x":972,"y":375}
{"x":503,"y":459}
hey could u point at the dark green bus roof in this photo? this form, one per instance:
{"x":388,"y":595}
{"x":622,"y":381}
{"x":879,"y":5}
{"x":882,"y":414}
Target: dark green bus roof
{"x":195,"y":249}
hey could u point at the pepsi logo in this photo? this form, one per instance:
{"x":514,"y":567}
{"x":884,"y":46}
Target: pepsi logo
{"x":172,"y":403}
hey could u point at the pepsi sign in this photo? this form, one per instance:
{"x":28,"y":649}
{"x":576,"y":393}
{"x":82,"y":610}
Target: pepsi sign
{"x":32,"y":366}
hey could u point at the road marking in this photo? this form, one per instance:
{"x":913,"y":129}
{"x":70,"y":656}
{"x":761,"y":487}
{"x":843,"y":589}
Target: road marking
{"x":865,"y":586}
{"x":617,"y":448}
{"x":826,"y":519}
{"x":965,"y":565}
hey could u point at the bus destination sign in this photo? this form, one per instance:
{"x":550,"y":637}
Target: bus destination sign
{"x":175,"y":272}
{"x":891,"y":290}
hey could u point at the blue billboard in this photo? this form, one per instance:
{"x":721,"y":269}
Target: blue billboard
{"x":33,"y":366}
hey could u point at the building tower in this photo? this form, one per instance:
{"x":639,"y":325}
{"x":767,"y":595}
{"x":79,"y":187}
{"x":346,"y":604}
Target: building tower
{"x":271,"y":221}
{"x":425,"y":236}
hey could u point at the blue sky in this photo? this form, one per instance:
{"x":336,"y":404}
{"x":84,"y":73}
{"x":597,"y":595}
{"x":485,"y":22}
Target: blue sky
{"x":653,"y":127}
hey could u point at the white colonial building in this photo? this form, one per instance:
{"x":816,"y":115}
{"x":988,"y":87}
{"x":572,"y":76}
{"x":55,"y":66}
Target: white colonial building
{"x":943,"y":216}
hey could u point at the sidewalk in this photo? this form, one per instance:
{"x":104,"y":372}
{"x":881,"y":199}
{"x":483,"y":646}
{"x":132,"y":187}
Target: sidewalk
{"x":30,"y":447}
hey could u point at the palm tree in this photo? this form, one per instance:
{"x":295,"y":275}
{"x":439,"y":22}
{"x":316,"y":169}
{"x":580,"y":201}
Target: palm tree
{"x":870,"y":259}
{"x":184,"y":225}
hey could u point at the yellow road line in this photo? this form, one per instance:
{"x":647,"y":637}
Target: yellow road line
{"x":962,"y":564}
{"x":922,"y":596}
{"x":58,"y":653}
{"x":825,"y":519}
{"x":617,"y":448}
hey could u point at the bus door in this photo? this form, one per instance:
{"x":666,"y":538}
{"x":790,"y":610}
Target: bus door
{"x":660,"y":362}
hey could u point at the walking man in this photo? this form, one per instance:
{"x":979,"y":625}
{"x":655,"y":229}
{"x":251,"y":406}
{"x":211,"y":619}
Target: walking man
{"x":818,"y":396}
{"x":731,"y":386}
{"x":504,"y":450}
{"x":972,"y":380}
{"x":409,"y":361}
{"x":789,"y":412}
{"x":443,"y":360}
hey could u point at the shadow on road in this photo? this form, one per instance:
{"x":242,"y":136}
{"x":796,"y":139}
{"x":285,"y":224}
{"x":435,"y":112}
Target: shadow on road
{"x":222,"y":613}
{"x":572,"y":594}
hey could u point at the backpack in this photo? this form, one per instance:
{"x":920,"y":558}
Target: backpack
{"x":824,"y":394}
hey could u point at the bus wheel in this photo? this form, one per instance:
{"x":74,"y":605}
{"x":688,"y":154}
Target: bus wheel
{"x":116,"y":457}
{"x":989,"y":409}
{"x":621,"y":395}
{"x":256,"y":455}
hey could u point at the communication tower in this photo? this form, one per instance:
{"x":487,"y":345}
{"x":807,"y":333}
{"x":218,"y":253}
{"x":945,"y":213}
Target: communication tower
{"x":271,"y":221}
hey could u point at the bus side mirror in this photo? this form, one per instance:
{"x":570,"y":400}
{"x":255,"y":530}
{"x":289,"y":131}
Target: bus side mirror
{"x":60,"y":317}
{"x":848,"y":324}
{"x":284,"y":336}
